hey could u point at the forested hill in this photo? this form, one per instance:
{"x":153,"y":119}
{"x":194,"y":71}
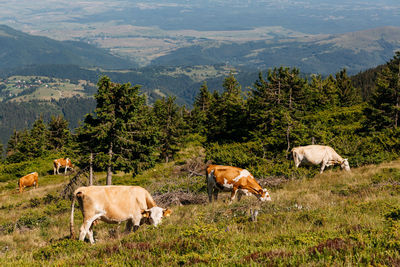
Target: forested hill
{"x":20,"y":49}
{"x":182,"y":82}
{"x":255,"y":129}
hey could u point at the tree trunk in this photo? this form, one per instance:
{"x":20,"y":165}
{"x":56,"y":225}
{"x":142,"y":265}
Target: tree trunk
{"x":109,"y":169}
{"x":91,"y":169}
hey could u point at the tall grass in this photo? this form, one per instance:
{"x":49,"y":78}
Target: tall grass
{"x":335,"y":218}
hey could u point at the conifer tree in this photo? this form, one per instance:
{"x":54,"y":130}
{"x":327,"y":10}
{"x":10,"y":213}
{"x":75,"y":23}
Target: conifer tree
{"x":171,"y":126}
{"x":384,"y":106}
{"x":59,"y":134}
{"x":122,"y":127}
{"x":200,"y":110}
{"x":347,"y":93}
{"x":227,"y":113}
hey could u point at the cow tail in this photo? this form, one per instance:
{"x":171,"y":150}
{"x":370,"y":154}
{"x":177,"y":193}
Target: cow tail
{"x":71,"y":222}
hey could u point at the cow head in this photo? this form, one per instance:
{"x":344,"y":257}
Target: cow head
{"x":155,"y":214}
{"x":345,"y":165}
{"x":263,"y":195}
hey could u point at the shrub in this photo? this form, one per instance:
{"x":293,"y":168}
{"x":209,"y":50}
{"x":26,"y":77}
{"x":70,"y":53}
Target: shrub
{"x":66,"y":246}
{"x":31,"y":221}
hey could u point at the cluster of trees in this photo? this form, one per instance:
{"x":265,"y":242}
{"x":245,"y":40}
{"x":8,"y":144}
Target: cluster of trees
{"x":254,"y":130}
{"x":284,"y":110}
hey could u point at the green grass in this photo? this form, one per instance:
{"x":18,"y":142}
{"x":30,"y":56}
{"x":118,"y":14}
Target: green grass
{"x":336,"y":218}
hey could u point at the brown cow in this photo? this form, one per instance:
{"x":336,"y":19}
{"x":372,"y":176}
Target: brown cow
{"x":28,"y":180}
{"x":235,"y":180}
{"x":64,"y":163}
{"x":115,"y":204}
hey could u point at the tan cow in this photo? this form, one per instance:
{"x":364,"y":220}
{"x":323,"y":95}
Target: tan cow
{"x":28,"y":180}
{"x":115,"y":204}
{"x":234,"y":180}
{"x":317,"y":154}
{"x":62,"y":163}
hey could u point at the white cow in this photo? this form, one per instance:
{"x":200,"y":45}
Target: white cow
{"x":317,"y":154}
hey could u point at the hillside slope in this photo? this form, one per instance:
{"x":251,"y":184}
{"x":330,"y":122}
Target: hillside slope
{"x":323,"y":54}
{"x":336,"y":218}
{"x":19,"y":49}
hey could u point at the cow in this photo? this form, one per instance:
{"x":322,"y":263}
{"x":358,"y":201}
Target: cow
{"x":317,"y":154}
{"x":115,"y":204}
{"x":64,"y":163}
{"x":28,"y":180}
{"x":235,"y":180}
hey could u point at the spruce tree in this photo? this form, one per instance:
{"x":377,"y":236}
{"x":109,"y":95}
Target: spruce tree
{"x":227,"y":113}
{"x":200,"y":110}
{"x":59,"y":134}
{"x":383,"y":110}
{"x":347,"y":93}
{"x":123,"y":127}
{"x":171,"y":126}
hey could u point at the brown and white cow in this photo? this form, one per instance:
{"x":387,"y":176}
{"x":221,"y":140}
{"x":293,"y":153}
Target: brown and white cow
{"x":234,"y":180}
{"x":115,"y":204}
{"x":28,"y":180}
{"x":317,"y":154}
{"x":62,"y":163}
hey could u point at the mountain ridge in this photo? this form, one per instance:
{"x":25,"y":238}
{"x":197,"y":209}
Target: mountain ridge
{"x":19,"y":49}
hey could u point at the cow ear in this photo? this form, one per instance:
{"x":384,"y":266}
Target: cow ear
{"x":145,"y":213}
{"x":167,"y":212}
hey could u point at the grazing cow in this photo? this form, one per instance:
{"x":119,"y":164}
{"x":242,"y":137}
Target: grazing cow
{"x":235,"y":180}
{"x":28,"y":180}
{"x":115,"y":204}
{"x":64,"y":163}
{"x":316,"y":154}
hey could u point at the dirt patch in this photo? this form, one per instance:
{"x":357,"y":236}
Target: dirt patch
{"x":179,"y":199}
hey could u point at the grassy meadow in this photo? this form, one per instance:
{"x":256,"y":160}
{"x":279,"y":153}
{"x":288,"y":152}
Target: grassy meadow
{"x":334,"y":218}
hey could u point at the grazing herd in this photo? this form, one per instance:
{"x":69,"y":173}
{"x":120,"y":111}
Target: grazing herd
{"x":134,"y":204}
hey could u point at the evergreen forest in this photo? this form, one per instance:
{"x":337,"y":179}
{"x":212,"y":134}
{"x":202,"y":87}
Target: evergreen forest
{"x":254,"y":128}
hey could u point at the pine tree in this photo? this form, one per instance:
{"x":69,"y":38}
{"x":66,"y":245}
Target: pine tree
{"x":226,"y":116}
{"x":275,"y":106}
{"x":200,"y":110}
{"x":123,"y":127}
{"x":384,"y":106}
{"x":171,"y":126}
{"x":347,"y":93}
{"x":59,"y":134}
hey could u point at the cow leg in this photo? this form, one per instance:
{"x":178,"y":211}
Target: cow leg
{"x":239,"y":194}
{"x":90,"y":234}
{"x":129,"y":225}
{"x":136,"y":221}
{"x":233,"y":194}
{"x":210,"y":188}
{"x":323,"y":166}
{"x":215,"y":193}
{"x":66,"y":168}
{"x":86,"y":228}
{"x":296,"y":160}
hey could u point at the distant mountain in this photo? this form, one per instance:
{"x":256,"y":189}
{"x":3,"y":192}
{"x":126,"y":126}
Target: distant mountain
{"x":324,"y":54}
{"x":19,"y":49}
